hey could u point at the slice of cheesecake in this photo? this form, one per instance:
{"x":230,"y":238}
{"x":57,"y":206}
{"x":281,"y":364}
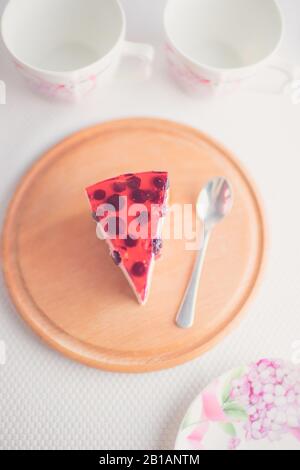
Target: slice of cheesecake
{"x":129,"y":211}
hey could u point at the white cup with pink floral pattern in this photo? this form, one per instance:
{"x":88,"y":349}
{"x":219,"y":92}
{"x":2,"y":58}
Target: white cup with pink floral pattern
{"x":65,"y":48}
{"x":214,"y":46}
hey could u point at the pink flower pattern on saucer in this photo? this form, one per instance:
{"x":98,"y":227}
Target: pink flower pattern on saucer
{"x":259,"y":403}
{"x":270,"y":393}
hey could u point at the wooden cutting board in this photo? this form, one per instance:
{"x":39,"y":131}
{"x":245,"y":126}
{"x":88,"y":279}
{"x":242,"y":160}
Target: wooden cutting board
{"x":63,"y":282}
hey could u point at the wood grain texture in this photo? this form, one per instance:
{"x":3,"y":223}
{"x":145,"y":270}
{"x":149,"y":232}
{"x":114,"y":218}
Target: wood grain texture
{"x":63,"y":281}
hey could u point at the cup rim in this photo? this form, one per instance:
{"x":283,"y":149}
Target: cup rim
{"x":214,"y":69}
{"x":56,"y":73}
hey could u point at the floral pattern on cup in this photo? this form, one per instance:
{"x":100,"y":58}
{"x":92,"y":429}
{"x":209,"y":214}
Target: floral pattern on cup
{"x":182,"y":70}
{"x":192,"y":80}
{"x":67,"y":90}
{"x":256,"y":403}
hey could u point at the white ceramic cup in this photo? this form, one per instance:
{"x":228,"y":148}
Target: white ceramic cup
{"x":213,"y":46}
{"x":67,"y":47}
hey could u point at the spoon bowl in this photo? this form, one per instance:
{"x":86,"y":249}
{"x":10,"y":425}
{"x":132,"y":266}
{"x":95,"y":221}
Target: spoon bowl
{"x":214,"y":202}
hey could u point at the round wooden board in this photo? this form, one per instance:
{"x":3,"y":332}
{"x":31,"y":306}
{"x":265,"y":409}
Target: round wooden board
{"x":63,"y":282}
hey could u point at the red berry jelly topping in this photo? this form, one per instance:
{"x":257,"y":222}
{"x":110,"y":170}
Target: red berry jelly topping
{"x":129,"y":209}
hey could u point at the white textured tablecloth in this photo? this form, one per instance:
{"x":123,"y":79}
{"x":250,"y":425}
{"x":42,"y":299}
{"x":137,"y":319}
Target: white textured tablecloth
{"x":48,"y":401}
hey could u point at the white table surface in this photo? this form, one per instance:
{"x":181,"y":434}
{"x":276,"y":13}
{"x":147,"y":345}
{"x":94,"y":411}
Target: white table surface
{"x":48,"y":401}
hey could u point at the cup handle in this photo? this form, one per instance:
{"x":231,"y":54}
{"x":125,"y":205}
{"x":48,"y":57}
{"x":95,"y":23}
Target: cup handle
{"x":289,"y":71}
{"x":144,"y":52}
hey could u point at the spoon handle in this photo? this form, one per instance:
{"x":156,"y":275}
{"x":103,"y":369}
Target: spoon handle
{"x":186,"y":314}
